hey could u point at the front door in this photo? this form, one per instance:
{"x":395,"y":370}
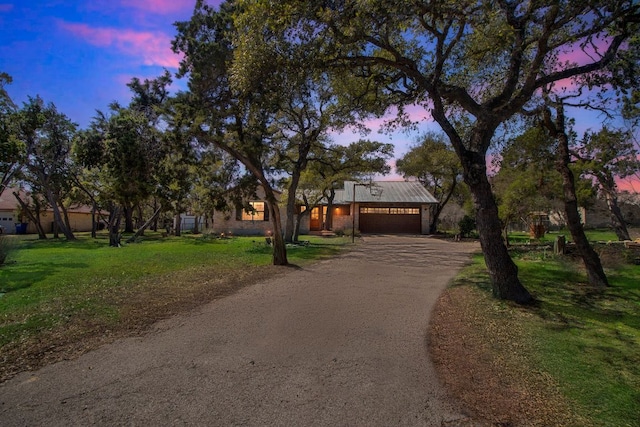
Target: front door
{"x":315,"y":220}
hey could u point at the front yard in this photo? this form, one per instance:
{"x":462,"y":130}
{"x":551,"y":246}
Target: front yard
{"x":59,"y":299}
{"x":571,"y":360}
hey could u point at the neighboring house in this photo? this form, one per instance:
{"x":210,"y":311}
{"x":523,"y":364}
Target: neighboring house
{"x":79,"y":216}
{"x":382,"y":207}
{"x":599,"y":215}
{"x":7,"y":213}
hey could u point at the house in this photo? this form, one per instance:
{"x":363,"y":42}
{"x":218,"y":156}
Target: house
{"x":239,"y":222}
{"x":394,"y":207}
{"x":380,"y":207}
{"x":11,"y":222}
{"x":7,"y":212}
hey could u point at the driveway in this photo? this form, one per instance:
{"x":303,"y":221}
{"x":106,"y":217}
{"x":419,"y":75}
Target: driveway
{"x":342,"y":342}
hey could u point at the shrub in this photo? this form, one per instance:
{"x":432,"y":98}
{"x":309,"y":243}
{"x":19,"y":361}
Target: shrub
{"x":466,"y":225}
{"x":349,"y":232}
{"x":5,"y":248}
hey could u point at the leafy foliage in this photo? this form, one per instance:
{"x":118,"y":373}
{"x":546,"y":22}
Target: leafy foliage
{"x":473,"y":64}
{"x":12,"y":149}
{"x":434,"y":163}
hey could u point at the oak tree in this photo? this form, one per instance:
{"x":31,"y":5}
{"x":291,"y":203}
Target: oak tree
{"x":608,"y":155}
{"x":434,"y":163}
{"x":472,"y":64}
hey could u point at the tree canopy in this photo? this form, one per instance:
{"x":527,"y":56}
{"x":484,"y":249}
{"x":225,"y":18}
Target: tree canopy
{"x":472,"y":64}
{"x":434,"y":163}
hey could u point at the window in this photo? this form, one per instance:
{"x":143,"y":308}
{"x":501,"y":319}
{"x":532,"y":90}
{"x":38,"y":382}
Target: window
{"x":259,"y":212}
{"x":391,"y":211}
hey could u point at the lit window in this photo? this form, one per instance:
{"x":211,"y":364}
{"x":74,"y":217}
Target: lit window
{"x":391,"y":211}
{"x":257,"y":213}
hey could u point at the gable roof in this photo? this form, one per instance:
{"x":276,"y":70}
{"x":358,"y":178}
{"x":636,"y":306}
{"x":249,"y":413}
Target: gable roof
{"x":385,"y":192}
{"x":8,"y":202}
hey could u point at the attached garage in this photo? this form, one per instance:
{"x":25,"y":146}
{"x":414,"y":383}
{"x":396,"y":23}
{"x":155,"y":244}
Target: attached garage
{"x":390,"y":220}
{"x":382,"y":207}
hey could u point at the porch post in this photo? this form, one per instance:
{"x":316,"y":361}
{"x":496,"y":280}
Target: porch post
{"x":353,"y":216}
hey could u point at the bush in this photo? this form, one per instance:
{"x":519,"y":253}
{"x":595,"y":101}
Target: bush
{"x":466,"y":226}
{"x":347,"y":232}
{"x":5,"y":248}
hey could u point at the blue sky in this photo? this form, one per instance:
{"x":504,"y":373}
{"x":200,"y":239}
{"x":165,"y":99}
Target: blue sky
{"x":80,"y":54}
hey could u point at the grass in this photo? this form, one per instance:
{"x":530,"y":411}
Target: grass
{"x":54,"y":292}
{"x":587,"y":340}
{"x":594,"y":235}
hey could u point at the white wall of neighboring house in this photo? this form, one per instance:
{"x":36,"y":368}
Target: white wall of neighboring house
{"x":7,"y":222}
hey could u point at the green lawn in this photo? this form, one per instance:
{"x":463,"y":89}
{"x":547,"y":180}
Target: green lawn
{"x":594,"y":235}
{"x":587,"y":340}
{"x":50,"y":286}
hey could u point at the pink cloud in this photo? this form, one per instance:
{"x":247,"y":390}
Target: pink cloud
{"x":161,"y":7}
{"x":4,"y":7}
{"x":153,"y":48}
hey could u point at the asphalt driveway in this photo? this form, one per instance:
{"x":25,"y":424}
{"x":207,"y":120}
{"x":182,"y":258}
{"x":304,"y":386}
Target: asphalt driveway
{"x":338,"y":343}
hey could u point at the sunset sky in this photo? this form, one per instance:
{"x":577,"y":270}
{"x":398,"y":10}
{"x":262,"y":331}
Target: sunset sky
{"x":79,"y":54}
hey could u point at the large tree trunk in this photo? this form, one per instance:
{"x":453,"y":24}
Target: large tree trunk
{"x":65,"y":216}
{"x":57,"y":217}
{"x":502,"y":269}
{"x":177,"y":224}
{"x":299,"y":217}
{"x":503,"y":272}
{"x":94,"y":223}
{"x":590,"y":258}
{"x":42,"y":233}
{"x":617,"y":220}
{"x":291,"y":207}
{"x":279,"y":247}
{"x":328,"y":224}
{"x":435,"y":211}
{"x":154,"y":225}
{"x":128,"y":218}
{"x":115,"y":216}
{"x":196,"y":224}
{"x":139,"y":220}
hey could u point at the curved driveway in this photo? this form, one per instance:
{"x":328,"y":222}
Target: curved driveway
{"x":341,"y":342}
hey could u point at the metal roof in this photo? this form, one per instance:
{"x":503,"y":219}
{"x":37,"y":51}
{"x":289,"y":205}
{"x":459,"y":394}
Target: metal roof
{"x":385,"y":192}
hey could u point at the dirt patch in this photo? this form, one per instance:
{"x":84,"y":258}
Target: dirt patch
{"x":139,"y":308}
{"x":481,"y":356}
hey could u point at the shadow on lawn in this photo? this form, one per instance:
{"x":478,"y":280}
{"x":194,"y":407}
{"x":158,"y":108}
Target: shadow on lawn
{"x":21,"y":276}
{"x":569,"y":301}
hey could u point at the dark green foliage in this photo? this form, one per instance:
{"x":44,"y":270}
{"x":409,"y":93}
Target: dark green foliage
{"x":466,"y":225}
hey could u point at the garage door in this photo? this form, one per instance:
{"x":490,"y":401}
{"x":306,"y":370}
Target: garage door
{"x":7,"y":223}
{"x":390,"y":220}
